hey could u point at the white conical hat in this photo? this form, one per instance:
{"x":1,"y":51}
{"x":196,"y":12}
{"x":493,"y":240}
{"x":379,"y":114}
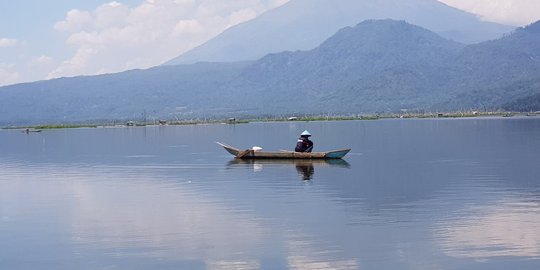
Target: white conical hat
{"x":305,"y":133}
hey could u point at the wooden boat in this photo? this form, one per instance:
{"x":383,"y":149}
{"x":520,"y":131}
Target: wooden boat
{"x":250,"y":153}
{"x":28,"y":130}
{"x":337,"y":162}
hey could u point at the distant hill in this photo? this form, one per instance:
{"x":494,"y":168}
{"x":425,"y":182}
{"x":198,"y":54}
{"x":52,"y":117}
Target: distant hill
{"x":529,"y":103}
{"x":375,"y":66}
{"x":496,"y":73}
{"x":163,"y":92}
{"x":305,"y":24}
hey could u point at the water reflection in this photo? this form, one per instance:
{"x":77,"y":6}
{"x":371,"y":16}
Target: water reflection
{"x":136,"y":213}
{"x":305,"y":170}
{"x":442,"y":194}
{"x":304,"y":167}
{"x":503,"y":229}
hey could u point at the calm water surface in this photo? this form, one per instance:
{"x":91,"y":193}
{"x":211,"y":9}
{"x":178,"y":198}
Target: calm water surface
{"x":412,"y":194}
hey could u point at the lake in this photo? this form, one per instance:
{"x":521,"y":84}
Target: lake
{"x":412,"y":194}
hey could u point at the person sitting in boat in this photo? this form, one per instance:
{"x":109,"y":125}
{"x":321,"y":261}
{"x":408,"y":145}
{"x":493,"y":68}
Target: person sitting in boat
{"x":303,"y":144}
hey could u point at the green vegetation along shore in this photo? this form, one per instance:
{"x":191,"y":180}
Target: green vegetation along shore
{"x":248,"y":119}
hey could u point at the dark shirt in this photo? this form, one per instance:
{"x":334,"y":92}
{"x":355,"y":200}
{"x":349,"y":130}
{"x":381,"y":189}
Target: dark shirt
{"x":303,"y":145}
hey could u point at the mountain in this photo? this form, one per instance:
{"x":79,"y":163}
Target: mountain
{"x":304,"y":24}
{"x":162,"y":92}
{"x":498,"y":72}
{"x":375,"y":66}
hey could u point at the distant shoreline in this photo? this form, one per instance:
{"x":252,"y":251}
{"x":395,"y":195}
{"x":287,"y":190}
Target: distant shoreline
{"x":246,"y":120}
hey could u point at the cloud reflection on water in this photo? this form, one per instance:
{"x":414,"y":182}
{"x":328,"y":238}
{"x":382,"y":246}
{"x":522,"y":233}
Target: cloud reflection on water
{"x":129,"y":214}
{"x":503,"y":228}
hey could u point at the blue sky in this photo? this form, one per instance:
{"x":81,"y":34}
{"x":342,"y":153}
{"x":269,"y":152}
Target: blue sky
{"x":32,"y":21}
{"x":20,"y":17}
{"x":56,"y":38}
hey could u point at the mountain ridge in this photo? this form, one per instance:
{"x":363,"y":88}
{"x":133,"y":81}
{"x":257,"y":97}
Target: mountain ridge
{"x":376,"y":66}
{"x":304,"y":24}
{"x":406,"y":55}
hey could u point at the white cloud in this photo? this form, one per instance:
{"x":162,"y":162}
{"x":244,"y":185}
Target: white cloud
{"x":8,"y":42}
{"x":115,"y":37}
{"x":8,"y":75}
{"x":242,"y":16}
{"x":18,"y":67}
{"x":111,"y":15}
{"x":41,"y":60}
{"x":76,"y":65}
{"x":184,"y":2}
{"x":187,"y":27}
{"x":512,"y":12}
{"x":75,"y":20}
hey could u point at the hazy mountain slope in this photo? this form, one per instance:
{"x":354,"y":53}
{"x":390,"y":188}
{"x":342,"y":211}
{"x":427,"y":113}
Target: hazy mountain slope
{"x":498,"y":72}
{"x":526,"y":104}
{"x":304,"y":24}
{"x":164,"y":92}
{"x":377,"y":65}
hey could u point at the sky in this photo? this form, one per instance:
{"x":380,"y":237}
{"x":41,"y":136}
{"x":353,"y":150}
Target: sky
{"x":63,"y":38}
